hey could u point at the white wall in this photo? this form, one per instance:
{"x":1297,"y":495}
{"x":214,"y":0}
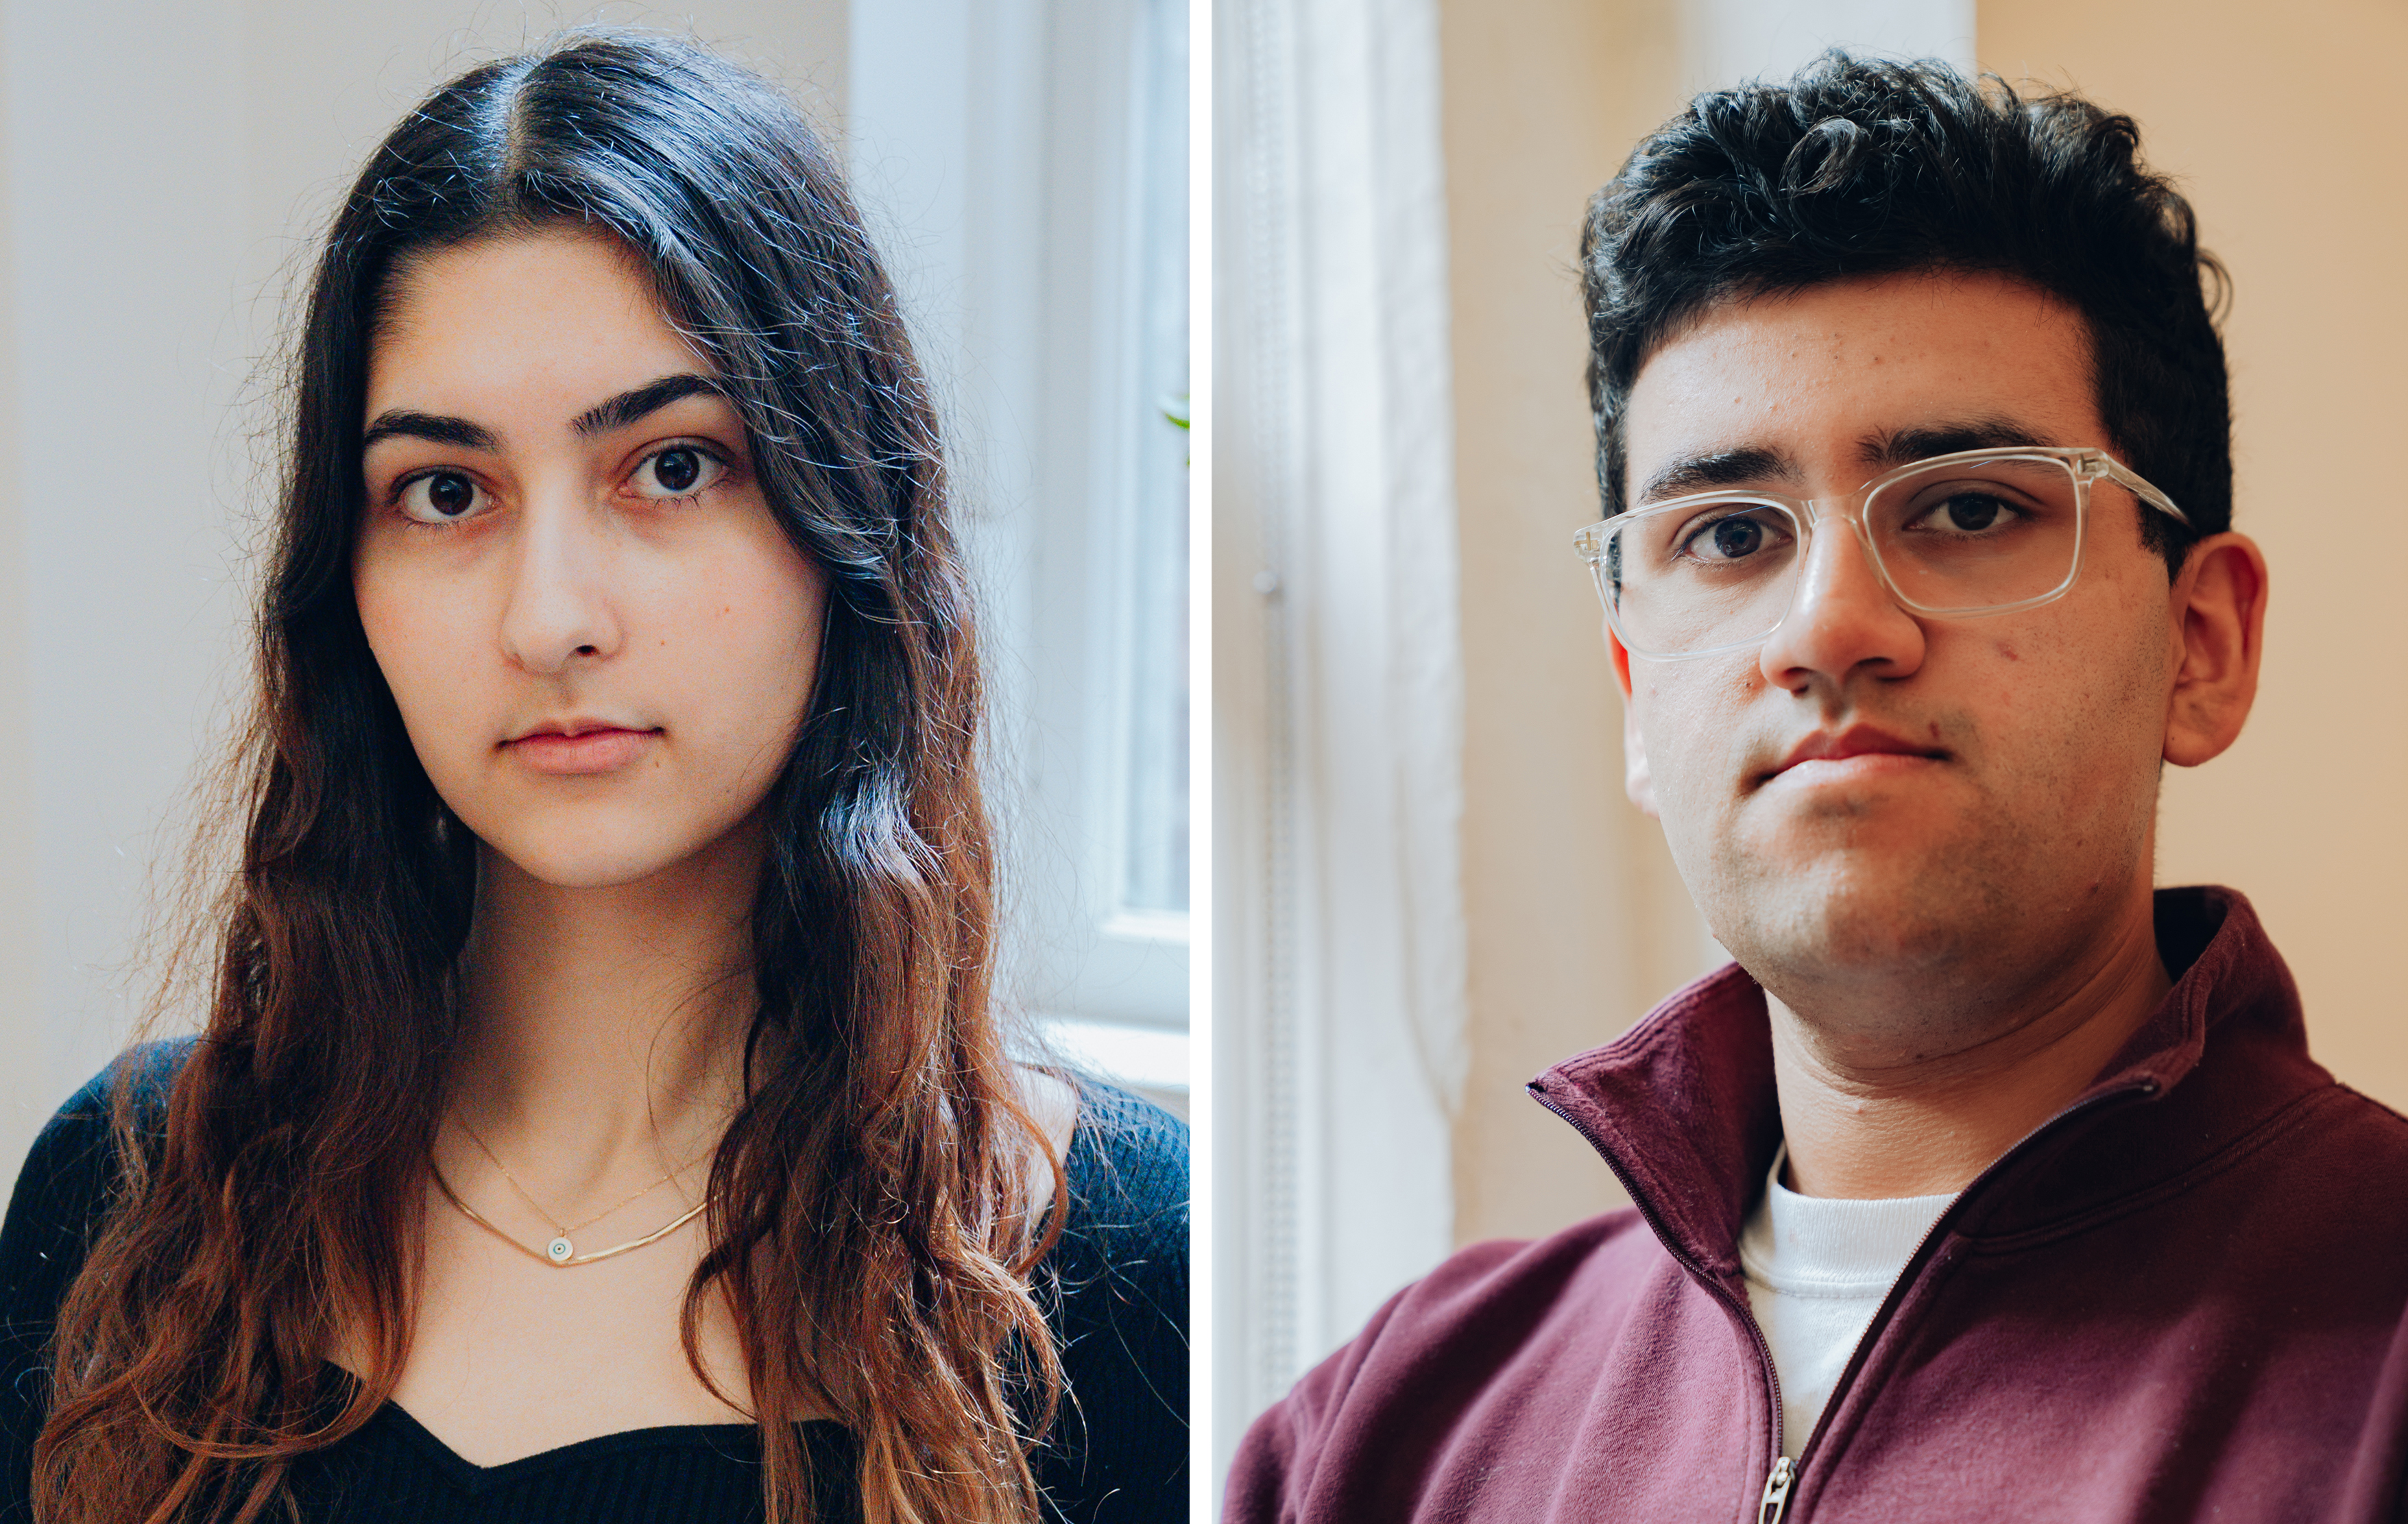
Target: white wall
{"x":127,"y":236}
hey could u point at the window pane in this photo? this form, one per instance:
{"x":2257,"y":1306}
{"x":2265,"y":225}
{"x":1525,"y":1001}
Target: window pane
{"x":1155,"y":860}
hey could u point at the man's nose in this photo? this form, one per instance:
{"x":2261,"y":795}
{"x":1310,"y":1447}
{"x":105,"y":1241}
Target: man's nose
{"x":559,"y":604}
{"x":1842,"y":619}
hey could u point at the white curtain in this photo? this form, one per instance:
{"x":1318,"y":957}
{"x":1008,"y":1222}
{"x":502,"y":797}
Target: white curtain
{"x":1339,"y":947}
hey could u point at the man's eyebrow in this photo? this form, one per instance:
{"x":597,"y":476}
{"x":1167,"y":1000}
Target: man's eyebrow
{"x":400,"y":423}
{"x":1897,"y":446}
{"x":651,"y":397}
{"x":1724,"y":468}
{"x":1880,"y":450}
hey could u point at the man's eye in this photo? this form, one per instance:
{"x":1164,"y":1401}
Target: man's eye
{"x":1735,"y":538}
{"x":441,"y":497}
{"x":1968,"y":513}
{"x":679,"y":471}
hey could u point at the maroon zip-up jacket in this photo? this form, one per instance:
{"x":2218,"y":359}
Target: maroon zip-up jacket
{"x":2186,"y":1296}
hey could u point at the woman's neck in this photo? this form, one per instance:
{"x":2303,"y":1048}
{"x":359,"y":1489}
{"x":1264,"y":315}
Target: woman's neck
{"x":606,"y":1026}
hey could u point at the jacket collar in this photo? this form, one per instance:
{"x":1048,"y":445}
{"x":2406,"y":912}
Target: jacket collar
{"x":1683,"y":1107}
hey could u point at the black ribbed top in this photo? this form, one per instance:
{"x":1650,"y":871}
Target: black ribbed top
{"x":1114,"y":1289}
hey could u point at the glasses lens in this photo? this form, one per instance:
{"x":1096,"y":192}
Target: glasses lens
{"x":1978,"y":534}
{"x":1698,"y":577}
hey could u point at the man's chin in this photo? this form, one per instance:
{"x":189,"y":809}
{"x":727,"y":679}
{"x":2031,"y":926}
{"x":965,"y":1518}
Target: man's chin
{"x":1876,"y":915}
{"x":1918,"y":802}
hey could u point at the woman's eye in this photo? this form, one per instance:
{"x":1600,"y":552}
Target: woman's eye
{"x":441,"y":497}
{"x":679,"y":471}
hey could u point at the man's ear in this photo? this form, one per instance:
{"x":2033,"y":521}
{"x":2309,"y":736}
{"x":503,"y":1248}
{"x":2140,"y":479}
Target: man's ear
{"x":2220,"y":610}
{"x":1636,"y":780}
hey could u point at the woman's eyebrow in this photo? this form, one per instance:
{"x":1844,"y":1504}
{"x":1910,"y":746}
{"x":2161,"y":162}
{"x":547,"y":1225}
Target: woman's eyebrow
{"x":628,"y":406}
{"x":400,"y":423}
{"x":616,"y":413}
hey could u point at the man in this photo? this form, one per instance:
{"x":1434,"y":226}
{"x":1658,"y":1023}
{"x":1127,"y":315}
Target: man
{"x":1987,"y":1184}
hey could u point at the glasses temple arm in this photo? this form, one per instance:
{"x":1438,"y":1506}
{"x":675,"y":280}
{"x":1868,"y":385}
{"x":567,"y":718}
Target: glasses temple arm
{"x":2124,"y":476}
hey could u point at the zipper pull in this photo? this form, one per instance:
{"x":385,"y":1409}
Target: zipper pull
{"x":1776,"y":1491}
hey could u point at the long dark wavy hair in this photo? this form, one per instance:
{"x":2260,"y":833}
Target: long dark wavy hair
{"x":868,"y":1222}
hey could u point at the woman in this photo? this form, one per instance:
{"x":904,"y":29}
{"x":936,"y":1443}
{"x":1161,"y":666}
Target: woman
{"x":600,"y":1111}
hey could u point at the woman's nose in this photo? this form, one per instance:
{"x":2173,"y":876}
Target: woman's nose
{"x":559,"y":606}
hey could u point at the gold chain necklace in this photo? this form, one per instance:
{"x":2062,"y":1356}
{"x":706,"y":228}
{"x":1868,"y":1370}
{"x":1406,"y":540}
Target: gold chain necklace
{"x":561,"y":1251}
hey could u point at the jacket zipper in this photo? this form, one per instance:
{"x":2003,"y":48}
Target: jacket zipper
{"x":1784,"y":1474}
{"x":1776,"y":1491}
{"x":1773,"y":1505}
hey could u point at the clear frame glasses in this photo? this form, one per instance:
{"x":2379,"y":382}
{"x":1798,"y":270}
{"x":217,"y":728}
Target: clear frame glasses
{"x":1967,"y":536}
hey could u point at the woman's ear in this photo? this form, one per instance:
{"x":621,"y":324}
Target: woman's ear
{"x":2219,"y":614}
{"x":1636,"y":780}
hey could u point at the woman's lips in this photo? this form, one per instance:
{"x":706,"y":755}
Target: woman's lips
{"x":591,"y":751}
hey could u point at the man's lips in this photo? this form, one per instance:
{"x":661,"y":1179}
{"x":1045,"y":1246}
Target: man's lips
{"x":1848,"y":746}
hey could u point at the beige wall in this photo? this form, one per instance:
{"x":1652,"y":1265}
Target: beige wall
{"x":2282,"y":124}
{"x":1576,"y":924}
{"x":2279,"y":122}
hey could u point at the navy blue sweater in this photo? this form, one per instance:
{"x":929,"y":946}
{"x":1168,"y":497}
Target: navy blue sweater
{"x":1114,"y":1288}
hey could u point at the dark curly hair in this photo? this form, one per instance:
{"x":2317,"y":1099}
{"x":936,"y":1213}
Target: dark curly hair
{"x":1863,"y":167}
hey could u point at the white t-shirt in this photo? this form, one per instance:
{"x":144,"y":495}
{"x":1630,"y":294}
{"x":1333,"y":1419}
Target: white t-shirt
{"x":1817,"y":1270}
